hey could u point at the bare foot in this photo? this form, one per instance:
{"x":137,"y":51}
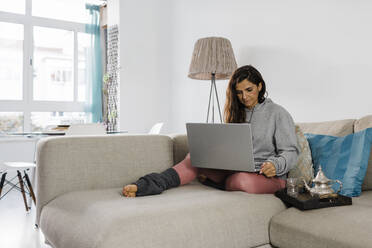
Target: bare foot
{"x":130,"y":190}
{"x":202,"y":178}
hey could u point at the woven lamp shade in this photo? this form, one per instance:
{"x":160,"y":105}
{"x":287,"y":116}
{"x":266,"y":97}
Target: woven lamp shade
{"x":212,"y":55}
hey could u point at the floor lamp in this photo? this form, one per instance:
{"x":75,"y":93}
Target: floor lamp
{"x":213,"y":59}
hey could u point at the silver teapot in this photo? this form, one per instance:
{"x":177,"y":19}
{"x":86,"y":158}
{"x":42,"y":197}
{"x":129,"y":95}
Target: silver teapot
{"x":322,"y":185}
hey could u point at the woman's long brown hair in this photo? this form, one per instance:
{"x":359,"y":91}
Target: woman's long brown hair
{"x":234,"y":110}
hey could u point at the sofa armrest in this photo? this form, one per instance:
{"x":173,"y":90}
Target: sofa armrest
{"x":75,"y":163}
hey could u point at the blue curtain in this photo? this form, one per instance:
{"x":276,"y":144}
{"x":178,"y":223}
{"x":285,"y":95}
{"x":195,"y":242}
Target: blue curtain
{"x":94,"y":64}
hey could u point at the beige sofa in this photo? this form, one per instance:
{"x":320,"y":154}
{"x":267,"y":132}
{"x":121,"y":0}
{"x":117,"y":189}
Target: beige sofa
{"x":79,"y":201}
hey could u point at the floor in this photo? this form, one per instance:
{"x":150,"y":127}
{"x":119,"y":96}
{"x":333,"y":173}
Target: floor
{"x":17,"y":227}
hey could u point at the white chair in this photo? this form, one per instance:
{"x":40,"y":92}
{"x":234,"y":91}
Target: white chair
{"x":86,"y":129}
{"x":25,"y":186}
{"x":9,"y":163}
{"x":156,"y":128}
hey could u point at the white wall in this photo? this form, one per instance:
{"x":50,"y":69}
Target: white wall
{"x":145,"y":75}
{"x":315,"y":56}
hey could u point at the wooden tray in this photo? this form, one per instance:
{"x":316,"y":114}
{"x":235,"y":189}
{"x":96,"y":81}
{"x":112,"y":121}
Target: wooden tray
{"x":305,"y":201}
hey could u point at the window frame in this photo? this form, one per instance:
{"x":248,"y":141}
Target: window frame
{"x":28,"y":105}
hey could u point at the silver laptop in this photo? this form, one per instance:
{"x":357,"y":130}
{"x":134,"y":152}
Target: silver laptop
{"x":221,"y":146}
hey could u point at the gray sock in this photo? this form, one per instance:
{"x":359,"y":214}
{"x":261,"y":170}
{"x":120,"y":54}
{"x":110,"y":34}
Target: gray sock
{"x":155,"y":183}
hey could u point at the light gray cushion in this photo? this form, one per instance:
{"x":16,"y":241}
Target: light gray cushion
{"x":361,"y":124}
{"x":335,"y":128}
{"x":338,"y":227}
{"x":188,"y":216}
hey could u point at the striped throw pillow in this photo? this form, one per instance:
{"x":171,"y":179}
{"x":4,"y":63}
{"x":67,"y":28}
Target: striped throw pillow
{"x":342,"y":158}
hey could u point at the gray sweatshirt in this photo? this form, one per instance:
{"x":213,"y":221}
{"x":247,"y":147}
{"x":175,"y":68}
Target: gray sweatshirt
{"x":274,"y":136}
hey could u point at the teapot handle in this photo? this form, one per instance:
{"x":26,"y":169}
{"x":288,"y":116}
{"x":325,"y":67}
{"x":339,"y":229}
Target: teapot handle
{"x":340,"y":183}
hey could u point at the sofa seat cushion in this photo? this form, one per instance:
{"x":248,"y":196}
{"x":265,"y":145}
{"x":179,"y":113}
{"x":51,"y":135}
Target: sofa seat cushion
{"x":193,"y":215}
{"x":346,"y":226}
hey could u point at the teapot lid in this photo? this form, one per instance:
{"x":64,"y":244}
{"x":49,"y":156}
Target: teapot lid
{"x":320,"y":177}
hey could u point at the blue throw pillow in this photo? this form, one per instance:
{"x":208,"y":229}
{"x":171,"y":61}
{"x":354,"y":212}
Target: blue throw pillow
{"x":343,"y":158}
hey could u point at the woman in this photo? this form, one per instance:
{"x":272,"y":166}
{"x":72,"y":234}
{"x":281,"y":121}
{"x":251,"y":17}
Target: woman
{"x":275,"y":147}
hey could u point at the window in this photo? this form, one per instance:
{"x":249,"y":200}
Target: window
{"x":83,"y":49}
{"x":11,"y":122}
{"x":68,"y":10}
{"x":53,"y":64}
{"x":16,"y":6}
{"x":41,"y":120}
{"x":43,"y":48}
{"x":11,"y":62}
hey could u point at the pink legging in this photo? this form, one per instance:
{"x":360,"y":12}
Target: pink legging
{"x":235,"y":181}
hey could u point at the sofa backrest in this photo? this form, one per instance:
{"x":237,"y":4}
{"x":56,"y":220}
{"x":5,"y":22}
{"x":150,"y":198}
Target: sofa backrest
{"x":180,"y":147}
{"x":335,"y":128}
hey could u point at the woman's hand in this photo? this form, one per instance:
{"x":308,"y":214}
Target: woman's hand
{"x":268,"y":169}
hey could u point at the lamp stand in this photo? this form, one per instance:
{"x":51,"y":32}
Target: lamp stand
{"x":211,"y":97}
